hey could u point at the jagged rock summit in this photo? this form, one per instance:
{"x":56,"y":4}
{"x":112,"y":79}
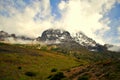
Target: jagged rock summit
{"x":63,"y":37}
{"x":55,"y":35}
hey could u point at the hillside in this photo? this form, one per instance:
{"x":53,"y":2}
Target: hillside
{"x":28,"y":62}
{"x":56,"y":55}
{"x":102,"y":70}
{"x":16,"y":61}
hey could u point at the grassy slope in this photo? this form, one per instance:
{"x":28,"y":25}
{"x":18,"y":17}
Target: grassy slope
{"x":30,"y":60}
{"x":84,"y":65}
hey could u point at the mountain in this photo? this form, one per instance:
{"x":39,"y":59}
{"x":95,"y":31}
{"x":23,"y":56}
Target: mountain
{"x":64,"y":39}
{"x":59,"y":37}
{"x":27,"y":62}
{"x":49,"y":62}
{"x":87,"y":42}
{"x":51,"y":36}
{"x":84,"y":40}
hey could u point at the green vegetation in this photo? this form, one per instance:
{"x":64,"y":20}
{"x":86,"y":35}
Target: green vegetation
{"x":17,"y":61}
{"x":54,"y":70}
{"x":57,"y":76}
{"x":84,"y":77}
{"x":36,"y":62}
{"x":31,"y":74}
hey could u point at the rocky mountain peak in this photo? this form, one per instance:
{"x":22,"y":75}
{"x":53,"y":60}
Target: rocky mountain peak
{"x":62,"y":37}
{"x":55,"y":34}
{"x":84,"y":40}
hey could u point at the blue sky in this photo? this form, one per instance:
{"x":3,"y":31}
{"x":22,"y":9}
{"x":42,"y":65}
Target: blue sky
{"x":54,"y":7}
{"x":34,"y":16}
{"x":114,"y":16}
{"x":114,"y":13}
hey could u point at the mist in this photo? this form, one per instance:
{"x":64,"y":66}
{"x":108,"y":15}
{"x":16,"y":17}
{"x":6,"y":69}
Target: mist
{"x":17,"y":41}
{"x":114,"y":48}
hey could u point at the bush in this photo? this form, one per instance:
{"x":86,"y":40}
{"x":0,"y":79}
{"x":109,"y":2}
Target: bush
{"x":84,"y":77}
{"x":19,"y":67}
{"x":57,"y":76}
{"x":31,"y":74}
{"x":44,"y":48}
{"x":53,"y":70}
{"x":49,"y":76}
{"x":54,"y":49}
{"x":68,"y":70}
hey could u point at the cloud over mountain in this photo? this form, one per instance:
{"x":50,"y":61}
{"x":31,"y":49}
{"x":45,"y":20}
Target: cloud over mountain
{"x":32,"y":17}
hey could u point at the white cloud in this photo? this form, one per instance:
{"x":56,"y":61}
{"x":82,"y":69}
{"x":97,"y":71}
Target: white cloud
{"x":62,"y":5}
{"x":119,"y":32}
{"x":22,"y":22}
{"x":119,"y":29}
{"x":77,"y":15}
{"x":85,"y":15}
{"x":114,"y":48}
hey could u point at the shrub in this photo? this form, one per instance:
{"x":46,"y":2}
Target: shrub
{"x":53,"y":70}
{"x":84,"y":77}
{"x":57,"y":76}
{"x":44,"y":48}
{"x":19,"y":67}
{"x":49,"y":76}
{"x":107,"y":63}
{"x":68,"y":70}
{"x":54,"y":49}
{"x":31,"y":74}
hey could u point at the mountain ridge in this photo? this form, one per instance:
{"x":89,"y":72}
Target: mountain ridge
{"x":60,"y":38}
